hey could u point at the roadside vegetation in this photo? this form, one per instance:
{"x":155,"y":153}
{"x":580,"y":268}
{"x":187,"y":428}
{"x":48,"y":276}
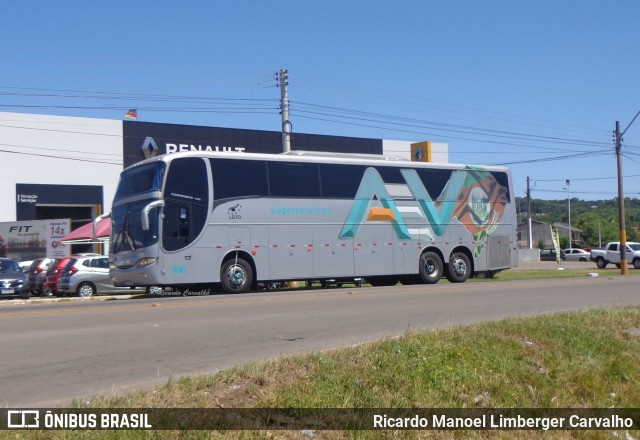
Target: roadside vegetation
{"x":598,"y":219}
{"x":511,"y":275}
{"x":587,"y":359}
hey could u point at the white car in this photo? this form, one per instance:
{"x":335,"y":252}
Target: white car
{"x":24,"y":265}
{"x":575,"y":254}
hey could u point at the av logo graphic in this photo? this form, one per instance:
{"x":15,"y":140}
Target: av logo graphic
{"x":472,"y":196}
{"x":372,"y":186}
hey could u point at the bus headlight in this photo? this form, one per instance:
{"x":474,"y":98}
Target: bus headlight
{"x":112,"y":265}
{"x":146,"y":261}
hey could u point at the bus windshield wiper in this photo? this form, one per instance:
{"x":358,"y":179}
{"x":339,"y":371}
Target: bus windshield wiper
{"x":124,"y":237}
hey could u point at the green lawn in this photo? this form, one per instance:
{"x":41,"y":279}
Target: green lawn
{"x":574,"y":360}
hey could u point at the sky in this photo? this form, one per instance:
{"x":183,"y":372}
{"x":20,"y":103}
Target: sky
{"x":537,"y":86}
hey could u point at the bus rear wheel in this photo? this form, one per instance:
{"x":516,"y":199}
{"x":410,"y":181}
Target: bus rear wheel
{"x":459,"y":269}
{"x":431,"y":268}
{"x":236,"y":275}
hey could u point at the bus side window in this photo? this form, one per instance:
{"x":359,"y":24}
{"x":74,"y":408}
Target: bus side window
{"x":293,"y":179}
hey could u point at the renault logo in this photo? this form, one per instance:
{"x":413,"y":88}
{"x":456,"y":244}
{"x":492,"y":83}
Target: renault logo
{"x":149,"y":147}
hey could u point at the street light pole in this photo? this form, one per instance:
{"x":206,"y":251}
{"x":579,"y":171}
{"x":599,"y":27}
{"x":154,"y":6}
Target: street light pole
{"x":599,"y":234}
{"x":569,"y":204}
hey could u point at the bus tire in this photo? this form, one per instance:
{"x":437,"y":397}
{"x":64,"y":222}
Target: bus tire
{"x":431,"y":267}
{"x":236,"y":275}
{"x":459,"y":269}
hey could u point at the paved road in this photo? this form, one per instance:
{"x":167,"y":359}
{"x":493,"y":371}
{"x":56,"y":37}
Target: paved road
{"x":53,"y":352}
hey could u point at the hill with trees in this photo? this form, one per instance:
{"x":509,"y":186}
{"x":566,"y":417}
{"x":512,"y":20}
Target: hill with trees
{"x":598,"y":219}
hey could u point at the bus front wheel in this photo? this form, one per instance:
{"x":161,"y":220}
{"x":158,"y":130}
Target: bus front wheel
{"x":236,"y":275}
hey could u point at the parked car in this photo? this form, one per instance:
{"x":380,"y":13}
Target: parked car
{"x":550,"y":255}
{"x":13,"y":281}
{"x":50,"y":286}
{"x":37,"y":273}
{"x":24,"y":265}
{"x":575,"y":254}
{"x":87,"y":276}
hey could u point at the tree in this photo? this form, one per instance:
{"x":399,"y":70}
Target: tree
{"x":598,"y":219}
{"x":564,"y":242}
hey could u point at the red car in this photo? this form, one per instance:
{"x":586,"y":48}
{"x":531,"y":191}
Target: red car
{"x":50,"y":286}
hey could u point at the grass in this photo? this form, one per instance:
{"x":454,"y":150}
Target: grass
{"x":510,"y":275}
{"x":574,"y":360}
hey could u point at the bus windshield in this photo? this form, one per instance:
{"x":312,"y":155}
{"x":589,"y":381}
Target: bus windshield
{"x":127,"y":233}
{"x":140,"y":180}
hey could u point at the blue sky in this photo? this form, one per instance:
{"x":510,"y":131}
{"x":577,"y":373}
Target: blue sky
{"x":536,"y":85}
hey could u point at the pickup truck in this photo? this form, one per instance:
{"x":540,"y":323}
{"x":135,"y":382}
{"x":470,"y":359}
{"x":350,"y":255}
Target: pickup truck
{"x":611,"y":254}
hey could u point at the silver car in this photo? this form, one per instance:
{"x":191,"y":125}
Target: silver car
{"x":87,"y":276}
{"x":575,"y":254}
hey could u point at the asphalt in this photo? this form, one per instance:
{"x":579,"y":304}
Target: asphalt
{"x":522,"y":266}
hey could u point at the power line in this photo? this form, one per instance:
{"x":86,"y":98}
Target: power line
{"x":584,"y":178}
{"x":548,"y":159}
{"x":577,"y":192}
{"x":79,"y":159}
{"x":330,"y":87}
{"x":421,"y":133}
{"x":446,"y":126}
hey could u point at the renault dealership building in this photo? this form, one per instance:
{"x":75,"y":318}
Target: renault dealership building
{"x":56,"y":167}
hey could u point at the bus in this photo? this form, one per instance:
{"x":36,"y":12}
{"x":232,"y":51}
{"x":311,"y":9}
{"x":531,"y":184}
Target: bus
{"x":238,"y":220}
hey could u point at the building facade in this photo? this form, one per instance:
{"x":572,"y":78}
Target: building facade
{"x":541,"y":235}
{"x":56,"y":167}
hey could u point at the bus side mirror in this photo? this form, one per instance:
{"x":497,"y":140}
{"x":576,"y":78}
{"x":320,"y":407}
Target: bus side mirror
{"x":144,"y":219}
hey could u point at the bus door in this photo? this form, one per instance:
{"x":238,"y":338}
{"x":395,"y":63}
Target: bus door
{"x":176,"y":235}
{"x":185,"y":216}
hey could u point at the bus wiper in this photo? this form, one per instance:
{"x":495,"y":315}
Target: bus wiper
{"x":124,"y":237}
{"x":130,"y":242}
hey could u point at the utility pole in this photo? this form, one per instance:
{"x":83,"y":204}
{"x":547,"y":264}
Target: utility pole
{"x":624,"y":269}
{"x":529,"y":232}
{"x":284,"y":110}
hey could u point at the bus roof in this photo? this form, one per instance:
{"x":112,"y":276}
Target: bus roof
{"x":317,"y":157}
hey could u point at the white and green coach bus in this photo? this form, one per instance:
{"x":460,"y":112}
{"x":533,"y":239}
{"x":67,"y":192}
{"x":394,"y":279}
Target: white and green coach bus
{"x":239,"y":219}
